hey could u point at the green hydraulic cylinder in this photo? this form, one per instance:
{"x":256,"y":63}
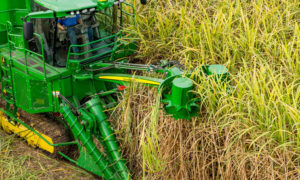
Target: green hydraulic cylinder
{"x":87,"y":142}
{"x":110,"y":143}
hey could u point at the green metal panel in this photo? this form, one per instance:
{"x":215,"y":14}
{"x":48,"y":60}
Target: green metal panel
{"x":56,"y":87}
{"x":83,"y":88}
{"x":39,"y":95}
{"x":3,"y":34}
{"x":4,"y":6}
{"x":21,"y":91}
{"x":31,"y":95}
{"x":66,"y":5}
{"x":16,"y":4}
{"x":9,"y":5}
{"x":66,"y":86}
{"x":104,"y":3}
{"x":10,"y":11}
{"x":16,"y":17}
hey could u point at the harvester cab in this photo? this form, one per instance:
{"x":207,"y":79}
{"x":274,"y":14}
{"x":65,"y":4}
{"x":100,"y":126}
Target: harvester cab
{"x":77,"y":69}
{"x":96,"y":37}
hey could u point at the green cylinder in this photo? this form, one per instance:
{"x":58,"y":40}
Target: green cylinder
{"x":180,"y":91}
{"x":180,"y":103}
{"x":87,"y":141}
{"x":220,"y":71}
{"x":110,"y":143}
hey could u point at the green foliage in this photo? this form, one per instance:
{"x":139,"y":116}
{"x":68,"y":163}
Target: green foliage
{"x":252,"y":132}
{"x":259,"y":42}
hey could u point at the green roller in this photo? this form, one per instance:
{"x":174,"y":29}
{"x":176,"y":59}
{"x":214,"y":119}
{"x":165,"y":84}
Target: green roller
{"x":110,"y":143}
{"x":180,"y":102}
{"x":218,"y":71}
{"x":87,"y":142}
{"x":180,"y":91}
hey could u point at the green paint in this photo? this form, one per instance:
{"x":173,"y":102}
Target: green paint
{"x":220,"y":72}
{"x":30,"y":83}
{"x":109,"y":140}
{"x":87,"y":143}
{"x":180,"y":102}
{"x":66,"y":5}
{"x":180,"y":90}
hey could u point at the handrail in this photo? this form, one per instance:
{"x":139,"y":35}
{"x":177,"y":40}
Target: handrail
{"x":11,"y":10}
{"x":43,"y":53}
{"x":97,"y":55}
{"x":9,"y":26}
{"x":130,"y":5}
{"x":93,"y":42}
{"x":88,"y":51}
{"x":27,"y":51}
{"x":94,"y":49}
{"x":127,"y":13}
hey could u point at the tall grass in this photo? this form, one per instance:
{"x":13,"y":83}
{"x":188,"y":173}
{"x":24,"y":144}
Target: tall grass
{"x":251,"y":133}
{"x":254,"y":132}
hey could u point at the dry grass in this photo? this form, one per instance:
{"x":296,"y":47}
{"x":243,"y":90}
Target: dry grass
{"x":162,"y":148}
{"x":252,"y":133}
{"x":20,"y":161}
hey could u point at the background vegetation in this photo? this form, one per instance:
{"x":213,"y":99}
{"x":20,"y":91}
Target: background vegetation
{"x":251,"y":133}
{"x":254,"y":132}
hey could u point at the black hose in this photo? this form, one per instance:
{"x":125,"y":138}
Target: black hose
{"x":74,"y":110}
{"x":100,"y":69}
{"x":177,"y":63}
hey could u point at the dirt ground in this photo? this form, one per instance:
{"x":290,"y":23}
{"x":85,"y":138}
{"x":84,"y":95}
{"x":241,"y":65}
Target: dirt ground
{"x":20,"y":161}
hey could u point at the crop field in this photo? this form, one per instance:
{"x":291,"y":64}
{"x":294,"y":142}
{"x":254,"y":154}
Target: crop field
{"x":249,"y":129}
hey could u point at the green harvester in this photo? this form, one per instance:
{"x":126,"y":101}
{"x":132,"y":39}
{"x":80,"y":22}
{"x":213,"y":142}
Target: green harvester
{"x":41,"y":74}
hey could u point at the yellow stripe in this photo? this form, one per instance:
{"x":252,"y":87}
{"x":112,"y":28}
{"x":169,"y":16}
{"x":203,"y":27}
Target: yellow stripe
{"x":31,"y":138}
{"x":128,"y":79}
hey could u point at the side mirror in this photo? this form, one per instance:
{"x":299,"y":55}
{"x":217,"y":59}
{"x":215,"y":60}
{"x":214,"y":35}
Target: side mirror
{"x":144,"y":2}
{"x":27,"y":30}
